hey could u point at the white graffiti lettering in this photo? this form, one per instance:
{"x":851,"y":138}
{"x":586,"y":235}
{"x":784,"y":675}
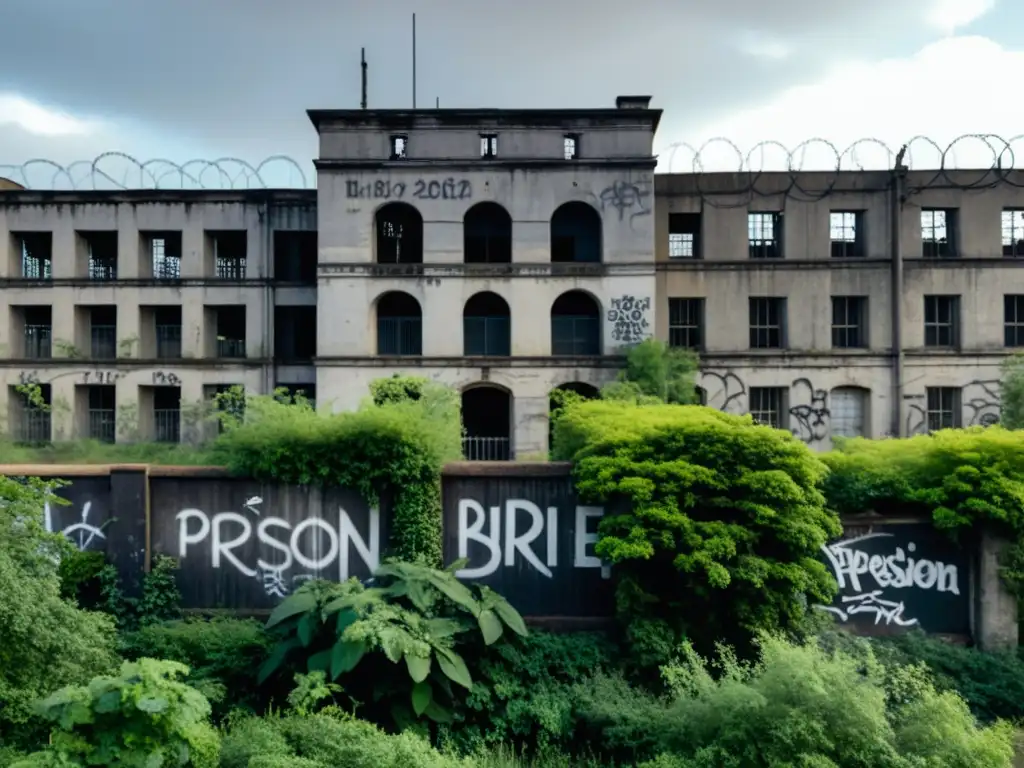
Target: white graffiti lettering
{"x":519,"y":543}
{"x":888,"y":610}
{"x":87,"y":532}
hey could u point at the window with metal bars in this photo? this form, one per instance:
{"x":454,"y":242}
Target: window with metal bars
{"x":38,"y":325}
{"x":102,"y":413}
{"x":848,"y":412}
{"x":488,"y":145}
{"x":399,"y":143}
{"x":849,"y":322}
{"x":941,"y":321}
{"x":686,"y":323}
{"x":764,"y":233}
{"x":33,"y":416}
{"x":943,"y":408}
{"x":229,"y":254}
{"x":167,"y":414}
{"x":167,"y":322}
{"x":103,"y":333}
{"x":938,"y":233}
{"x":1013,"y":320}
{"x":767,"y":322}
{"x":684,"y":236}
{"x":768,"y":406}
{"x":102,"y":253}
{"x":571,"y":146}
{"x":36,"y":255}
{"x":846,"y":234}
{"x":1013,"y":233}
{"x":165,"y":255}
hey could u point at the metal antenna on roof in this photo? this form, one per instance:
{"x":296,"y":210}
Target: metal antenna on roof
{"x":362,"y":65}
{"x":414,"y":61}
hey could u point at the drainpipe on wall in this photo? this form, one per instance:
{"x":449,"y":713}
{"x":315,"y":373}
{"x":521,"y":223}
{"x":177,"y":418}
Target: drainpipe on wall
{"x":269,"y":298}
{"x":899,"y":174}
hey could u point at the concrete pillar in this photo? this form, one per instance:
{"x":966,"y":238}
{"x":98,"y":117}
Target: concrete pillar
{"x":531,"y":428}
{"x":996,"y":627}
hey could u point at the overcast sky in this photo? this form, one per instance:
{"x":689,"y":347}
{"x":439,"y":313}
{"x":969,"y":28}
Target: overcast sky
{"x":183,"y":79}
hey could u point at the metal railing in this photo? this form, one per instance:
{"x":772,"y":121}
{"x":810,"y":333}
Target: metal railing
{"x":487,"y":336}
{"x":104,"y":342}
{"x":103,"y":268}
{"x":36,"y":267}
{"x":102,"y":423}
{"x":574,"y":335}
{"x":167,"y":267}
{"x":487,"y":448}
{"x":33,"y":425}
{"x":167,"y":425}
{"x":38,"y":342}
{"x":230,"y":347}
{"x":230,"y":267}
{"x":399,"y":336}
{"x":168,"y":342}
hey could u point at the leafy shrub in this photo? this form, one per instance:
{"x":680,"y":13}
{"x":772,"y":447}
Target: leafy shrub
{"x":145,"y":716}
{"x":221,"y":653}
{"x":392,"y":451}
{"x":160,"y":599}
{"x":415,"y":616}
{"x":656,"y":373}
{"x":960,"y":478}
{"x":714,"y":524}
{"x":45,"y":641}
{"x":798,"y":705}
{"x":79,"y":574}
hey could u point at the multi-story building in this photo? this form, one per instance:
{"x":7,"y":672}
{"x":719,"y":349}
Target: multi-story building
{"x":508,"y":253}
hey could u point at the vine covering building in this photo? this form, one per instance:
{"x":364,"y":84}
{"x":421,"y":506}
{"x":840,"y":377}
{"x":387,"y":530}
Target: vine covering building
{"x":508,"y":253}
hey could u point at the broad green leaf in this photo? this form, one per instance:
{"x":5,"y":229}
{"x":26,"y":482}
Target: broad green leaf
{"x":346,"y":619}
{"x":419,"y":595}
{"x":346,"y":654}
{"x":490,"y":626}
{"x":438,"y":714}
{"x":319,"y":662}
{"x":108,"y":702}
{"x":154,"y":705}
{"x":509,"y":615}
{"x":422,"y":696}
{"x":455,"y":591}
{"x":308,"y":625}
{"x":458,"y":565}
{"x":454,"y":667}
{"x":276,"y":658}
{"x":440,"y":629}
{"x":300,"y":602}
{"x":393,"y":643}
{"x":419,"y":667}
{"x":394,"y":570}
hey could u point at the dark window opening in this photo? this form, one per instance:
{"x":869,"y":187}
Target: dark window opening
{"x":1013,"y":320}
{"x":294,"y":334}
{"x":102,"y":413}
{"x":487,"y":326}
{"x":684,"y":236}
{"x":555,"y":402}
{"x":295,"y":257}
{"x":399,"y":234}
{"x":941,"y":321}
{"x":487,"y":233}
{"x":1013,"y":233}
{"x":398,"y":144}
{"x":230,"y":331}
{"x":38,"y":338}
{"x":167,"y":414}
{"x":32,"y":416}
{"x":230,"y":250}
{"x":571,"y":146}
{"x":103,"y":333}
{"x":764,"y":233}
{"x":846,"y":234}
{"x":575,"y":234}
{"x":575,"y":325}
{"x":943,"y":408}
{"x":768,"y":406}
{"x":36,"y":255}
{"x":292,"y":392}
{"x":849,"y":322}
{"x":165,"y":255}
{"x":686,"y":323}
{"x":938,"y":233}
{"x":399,"y":325}
{"x":767,"y":322}
{"x":101,"y":249}
{"x":168,"y":332}
{"x":487,"y":421}
{"x":488,"y":145}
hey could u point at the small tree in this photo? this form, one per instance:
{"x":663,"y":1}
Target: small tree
{"x":656,"y":372}
{"x":1012,"y":392}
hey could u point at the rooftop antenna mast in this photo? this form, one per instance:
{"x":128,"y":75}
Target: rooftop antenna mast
{"x":414,"y":61}
{"x":362,"y":103}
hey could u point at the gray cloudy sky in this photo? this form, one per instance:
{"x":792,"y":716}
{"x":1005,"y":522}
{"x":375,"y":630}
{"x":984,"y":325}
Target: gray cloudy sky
{"x":207,"y":78}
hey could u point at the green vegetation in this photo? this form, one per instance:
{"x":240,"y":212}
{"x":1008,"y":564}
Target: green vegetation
{"x":1011,"y":393}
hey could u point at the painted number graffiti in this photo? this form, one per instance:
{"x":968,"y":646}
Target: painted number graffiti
{"x":502,"y":529}
{"x":628,"y":318}
{"x":422,"y":189}
{"x":865,"y":579}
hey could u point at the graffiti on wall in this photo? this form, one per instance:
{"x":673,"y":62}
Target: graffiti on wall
{"x":83,"y":533}
{"x":725,"y":392}
{"x":420,"y":189}
{"x":980,"y":406}
{"x":886,"y":581}
{"x":629,"y":199}
{"x":810,"y":418}
{"x":628,"y":317}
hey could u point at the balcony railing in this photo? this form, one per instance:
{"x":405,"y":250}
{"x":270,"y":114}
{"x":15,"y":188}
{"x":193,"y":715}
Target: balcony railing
{"x":230,"y":347}
{"x":573,"y":335}
{"x":38,"y":340}
{"x":104,"y":342}
{"x":230,"y":268}
{"x":102,"y":268}
{"x":102,"y":424}
{"x":487,"y":336}
{"x":399,"y":336}
{"x":167,"y":425}
{"x":487,"y":448}
{"x":33,"y":425}
{"x":168,"y":342}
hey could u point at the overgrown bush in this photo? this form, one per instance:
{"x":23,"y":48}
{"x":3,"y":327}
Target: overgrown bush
{"x":79,"y":574}
{"x":714,"y":524}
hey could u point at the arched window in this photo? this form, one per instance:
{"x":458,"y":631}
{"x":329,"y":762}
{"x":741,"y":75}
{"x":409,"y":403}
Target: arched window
{"x":486,"y":326}
{"x":487,"y":235}
{"x":487,"y":421}
{"x":399,"y":325}
{"x":575,"y":325}
{"x":399,"y":234}
{"x":575,"y":233}
{"x":849,"y":412}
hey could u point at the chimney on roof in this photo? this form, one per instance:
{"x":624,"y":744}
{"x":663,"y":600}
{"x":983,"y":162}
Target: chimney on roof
{"x":632,"y":102}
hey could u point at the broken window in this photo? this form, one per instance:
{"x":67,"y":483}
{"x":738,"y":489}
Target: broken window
{"x":294,"y":334}
{"x":575,"y":233}
{"x":938,"y":233}
{"x":1013,"y":233}
{"x":230,"y":331}
{"x":36,"y":255}
{"x":101,"y":249}
{"x":487,"y":233}
{"x":398,"y":145}
{"x":38,"y":334}
{"x":683,"y":235}
{"x":295,"y":257}
{"x":399,"y":234}
{"x":845,"y":233}
{"x":571,"y":146}
{"x":488,"y":145}
{"x":764,"y":233}
{"x":229,"y":254}
{"x":165,"y":255}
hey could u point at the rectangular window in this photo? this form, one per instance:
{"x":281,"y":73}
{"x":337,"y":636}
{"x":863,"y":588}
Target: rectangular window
{"x":167,"y":414}
{"x":943,"y":408}
{"x":938,"y":233}
{"x":488,"y":145}
{"x":764,"y":233}
{"x":36,"y":255}
{"x":846,"y":234}
{"x":101,"y":249}
{"x":767,"y":322}
{"x":1013,"y":233}
{"x":32,"y":423}
{"x":165,"y":255}
{"x":103,"y":333}
{"x":229,"y":254}
{"x":941,"y":321}
{"x":398,"y":144}
{"x":848,"y":410}
{"x":1013,"y":320}
{"x":102,"y":413}
{"x":768,"y":406}
{"x":849,"y":322}
{"x":38,"y":339}
{"x":686,"y":323}
{"x":571,"y":146}
{"x":684,"y":236}
{"x":167,"y":321}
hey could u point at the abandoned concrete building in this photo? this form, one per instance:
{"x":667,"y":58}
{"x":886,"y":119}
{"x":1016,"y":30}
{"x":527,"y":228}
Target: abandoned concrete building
{"x":508,"y":253}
